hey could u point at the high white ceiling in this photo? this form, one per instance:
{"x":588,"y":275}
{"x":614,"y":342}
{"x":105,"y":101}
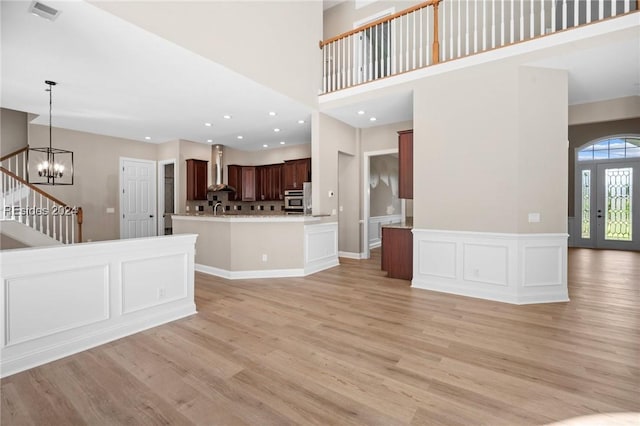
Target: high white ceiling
{"x":119,"y":80}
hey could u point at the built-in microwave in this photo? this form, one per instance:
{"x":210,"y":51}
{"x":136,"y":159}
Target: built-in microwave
{"x":294,"y":200}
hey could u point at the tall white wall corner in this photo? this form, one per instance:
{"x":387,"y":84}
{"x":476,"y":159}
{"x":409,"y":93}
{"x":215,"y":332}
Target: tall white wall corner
{"x":512,"y":268}
{"x":60,"y":300}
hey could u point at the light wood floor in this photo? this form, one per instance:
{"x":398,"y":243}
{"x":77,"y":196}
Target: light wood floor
{"x":347,"y":346}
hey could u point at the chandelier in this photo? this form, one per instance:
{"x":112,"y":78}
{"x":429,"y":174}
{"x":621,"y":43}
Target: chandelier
{"x":52,"y":166}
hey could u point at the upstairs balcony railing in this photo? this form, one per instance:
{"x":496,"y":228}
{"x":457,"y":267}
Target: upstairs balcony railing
{"x":442,"y":30}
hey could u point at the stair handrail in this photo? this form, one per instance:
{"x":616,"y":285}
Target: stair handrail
{"x":76,"y":210}
{"x":14,"y":153}
{"x":384,"y":19}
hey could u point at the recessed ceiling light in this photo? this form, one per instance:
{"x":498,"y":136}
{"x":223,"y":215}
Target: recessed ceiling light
{"x":239,"y":136}
{"x":272,"y":113}
{"x":300,"y":121}
{"x":360,"y":112}
{"x":207,"y":124}
{"x":147,"y":138}
{"x":282,"y":142}
{"x":265,"y":146}
{"x":226,"y":117}
{"x":209,"y":140}
{"x":276,"y":130}
{"x":372,"y":119}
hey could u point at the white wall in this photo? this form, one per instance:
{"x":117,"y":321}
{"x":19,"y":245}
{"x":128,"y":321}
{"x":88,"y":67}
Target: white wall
{"x":273,"y":43}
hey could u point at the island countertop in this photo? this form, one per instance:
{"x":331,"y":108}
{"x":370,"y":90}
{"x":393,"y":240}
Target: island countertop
{"x":247,"y":218}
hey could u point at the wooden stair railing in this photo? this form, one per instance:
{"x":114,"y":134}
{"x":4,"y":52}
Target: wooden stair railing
{"x":30,"y":205}
{"x":436,"y":31}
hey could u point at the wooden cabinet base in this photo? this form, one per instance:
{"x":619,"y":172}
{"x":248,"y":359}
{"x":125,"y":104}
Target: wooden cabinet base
{"x":397,"y":253}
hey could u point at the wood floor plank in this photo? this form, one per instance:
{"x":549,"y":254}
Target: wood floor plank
{"x":348,"y":346}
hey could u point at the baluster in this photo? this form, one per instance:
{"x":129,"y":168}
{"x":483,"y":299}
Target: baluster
{"x":66,"y":224}
{"x":428,"y":42}
{"x":475,"y":27}
{"x":542,"y":19}
{"x":459,"y":53}
{"x":600,"y":9}
{"x":74,"y":218}
{"x":53,"y":226}
{"x":41,"y":213}
{"x":512,"y":24}
{"x":61,"y":239}
{"x":340,"y":64}
{"x":576,"y":13}
{"x":493,"y":23}
{"x":553,"y":16}
{"x":413,"y":41}
{"x":450,"y":30}
{"x":24,"y":166}
{"x":376,"y":52}
{"x":614,"y":8}
{"x":444,"y":32}
{"x":407,"y":47}
{"x":324,"y":69}
{"x":502,"y":23}
{"x":420,"y":40}
{"x":484,"y":24}
{"x":532,"y":24}
{"x":521,"y":20}
{"x":349,"y":61}
{"x":401,"y":37}
{"x":48,"y":218}
{"x":467,"y":47}
{"x":387,"y":45}
{"x":626,"y":6}
{"x":394,"y":51}
{"x":370,"y":59}
{"x":588,"y":8}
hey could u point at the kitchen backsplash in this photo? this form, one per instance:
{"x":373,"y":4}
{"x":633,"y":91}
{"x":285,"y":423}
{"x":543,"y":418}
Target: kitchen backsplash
{"x":237,"y":207}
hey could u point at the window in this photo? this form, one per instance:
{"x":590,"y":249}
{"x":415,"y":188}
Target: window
{"x":611,"y":149}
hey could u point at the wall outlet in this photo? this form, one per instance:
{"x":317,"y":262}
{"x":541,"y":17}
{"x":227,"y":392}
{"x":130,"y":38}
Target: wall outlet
{"x":264,"y":257}
{"x":111,"y":210}
{"x":534,"y":217}
{"x":333,"y":212}
{"x":162,"y":293}
{"x":187,"y":209}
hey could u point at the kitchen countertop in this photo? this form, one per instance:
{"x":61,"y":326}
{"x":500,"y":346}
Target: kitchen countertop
{"x":245,"y":218}
{"x":405,"y":224}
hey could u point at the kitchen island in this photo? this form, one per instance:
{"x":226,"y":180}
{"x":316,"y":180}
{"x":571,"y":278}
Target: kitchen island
{"x":253,"y":246}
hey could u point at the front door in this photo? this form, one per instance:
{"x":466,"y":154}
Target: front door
{"x":137,"y":198}
{"x":617,"y":207}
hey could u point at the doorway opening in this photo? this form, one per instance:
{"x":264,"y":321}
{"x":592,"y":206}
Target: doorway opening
{"x":381,"y":204}
{"x":167,"y":195}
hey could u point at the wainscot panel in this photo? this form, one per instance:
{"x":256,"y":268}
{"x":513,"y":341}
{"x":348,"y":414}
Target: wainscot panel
{"x":513,"y":268}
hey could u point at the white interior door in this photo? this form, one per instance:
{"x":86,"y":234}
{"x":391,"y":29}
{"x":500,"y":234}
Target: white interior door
{"x":617,"y":205}
{"x":137,"y":198}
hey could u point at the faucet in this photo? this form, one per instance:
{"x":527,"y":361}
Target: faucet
{"x":215,"y":208}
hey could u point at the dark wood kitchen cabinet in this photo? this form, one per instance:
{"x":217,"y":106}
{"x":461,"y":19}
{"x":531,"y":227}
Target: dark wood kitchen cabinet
{"x":196,"y":179}
{"x":269,"y":182}
{"x":405,"y":164}
{"x":248,"y":183}
{"x":243,"y":179}
{"x":295,"y":173}
{"x":397,"y":252}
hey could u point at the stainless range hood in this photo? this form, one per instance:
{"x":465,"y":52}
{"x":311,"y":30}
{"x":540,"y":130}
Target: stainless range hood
{"x":219,"y":185}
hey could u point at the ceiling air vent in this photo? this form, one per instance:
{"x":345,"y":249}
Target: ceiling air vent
{"x":44,"y":11}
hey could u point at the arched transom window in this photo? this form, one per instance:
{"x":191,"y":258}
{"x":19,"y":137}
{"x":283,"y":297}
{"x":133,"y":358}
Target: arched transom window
{"x":612,"y":148}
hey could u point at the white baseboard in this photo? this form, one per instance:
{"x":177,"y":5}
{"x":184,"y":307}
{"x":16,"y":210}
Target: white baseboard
{"x":350,"y":255}
{"x":512,"y":268}
{"x":268,"y":273}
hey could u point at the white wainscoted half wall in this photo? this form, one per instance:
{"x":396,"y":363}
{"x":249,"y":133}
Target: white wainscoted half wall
{"x":513,"y":268}
{"x":60,"y":300}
